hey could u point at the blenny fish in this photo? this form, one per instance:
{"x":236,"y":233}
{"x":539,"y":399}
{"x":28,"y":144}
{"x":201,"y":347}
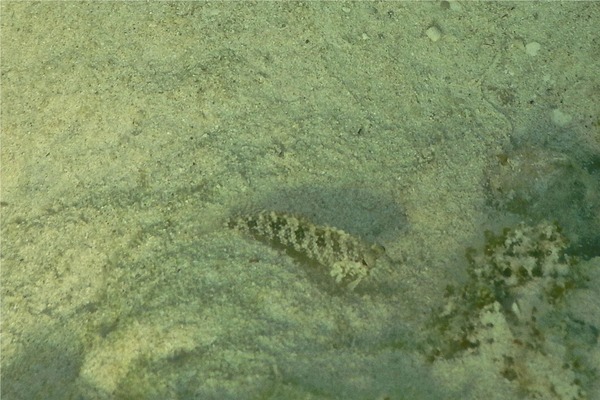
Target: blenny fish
{"x":347,"y":257}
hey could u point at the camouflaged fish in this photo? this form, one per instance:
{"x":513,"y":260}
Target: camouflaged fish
{"x":348,"y":258}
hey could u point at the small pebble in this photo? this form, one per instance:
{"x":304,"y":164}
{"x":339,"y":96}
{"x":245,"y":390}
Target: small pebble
{"x":532,"y":48}
{"x":433,"y":33}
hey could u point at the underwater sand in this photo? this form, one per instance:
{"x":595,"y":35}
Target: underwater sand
{"x":131,"y":131}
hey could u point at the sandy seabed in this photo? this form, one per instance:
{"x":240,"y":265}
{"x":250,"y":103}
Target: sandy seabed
{"x":131,"y":131}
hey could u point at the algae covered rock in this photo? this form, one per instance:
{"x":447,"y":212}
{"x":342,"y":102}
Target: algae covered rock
{"x":540,"y":183}
{"x":510,"y":316}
